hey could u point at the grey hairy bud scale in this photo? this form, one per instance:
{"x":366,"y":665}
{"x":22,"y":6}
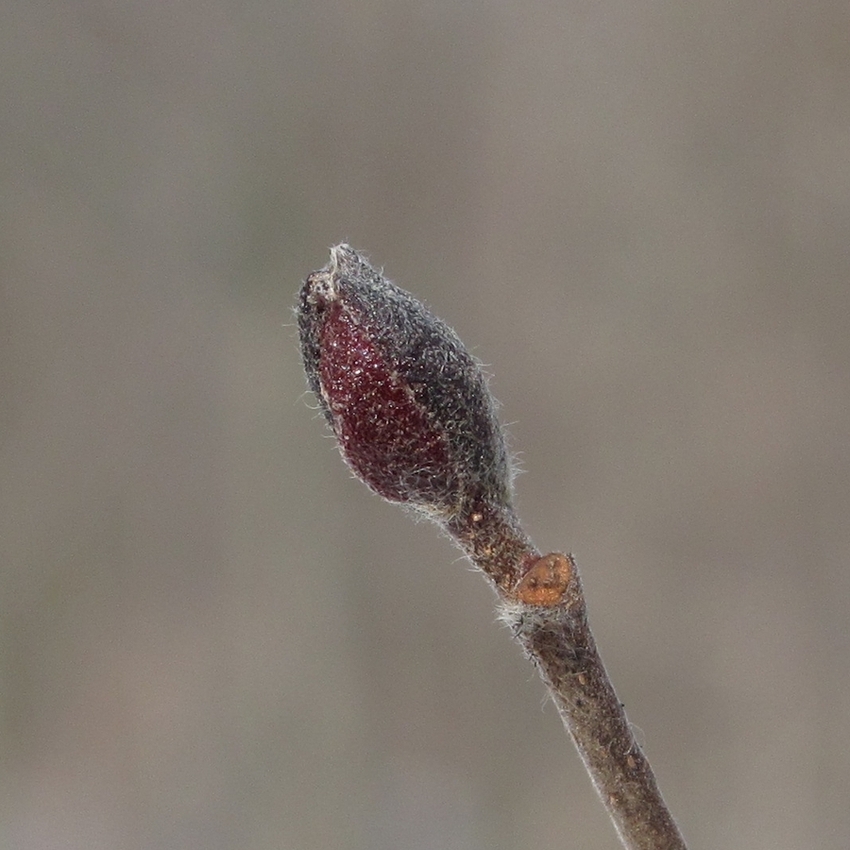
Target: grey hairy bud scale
{"x":408,"y":404}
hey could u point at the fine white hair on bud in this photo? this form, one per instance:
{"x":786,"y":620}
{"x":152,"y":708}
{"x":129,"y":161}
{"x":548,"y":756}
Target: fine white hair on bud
{"x":408,"y":404}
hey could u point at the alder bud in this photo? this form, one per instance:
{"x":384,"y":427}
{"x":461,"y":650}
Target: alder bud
{"x":408,"y":404}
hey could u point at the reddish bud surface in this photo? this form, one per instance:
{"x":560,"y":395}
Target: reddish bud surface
{"x":406,"y":401}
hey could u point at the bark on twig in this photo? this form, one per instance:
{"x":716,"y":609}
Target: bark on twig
{"x":542,"y":601}
{"x":546,"y":612}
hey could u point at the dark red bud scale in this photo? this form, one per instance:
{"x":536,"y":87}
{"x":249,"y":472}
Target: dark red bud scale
{"x":407,"y":402}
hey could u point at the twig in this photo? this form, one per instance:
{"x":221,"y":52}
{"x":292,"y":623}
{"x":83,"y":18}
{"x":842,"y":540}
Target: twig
{"x":416,"y":422}
{"x":542,"y":601}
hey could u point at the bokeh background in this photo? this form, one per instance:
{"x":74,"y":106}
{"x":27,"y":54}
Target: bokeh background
{"x":637,"y":214}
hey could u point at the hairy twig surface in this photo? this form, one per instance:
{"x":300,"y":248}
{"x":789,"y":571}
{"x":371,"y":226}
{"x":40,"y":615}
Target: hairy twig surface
{"x":415,"y":421}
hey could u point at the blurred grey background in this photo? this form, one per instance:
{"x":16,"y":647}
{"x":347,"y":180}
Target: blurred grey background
{"x":637,"y":214}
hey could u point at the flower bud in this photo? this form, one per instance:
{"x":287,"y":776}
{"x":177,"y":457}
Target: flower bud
{"x":408,"y":404}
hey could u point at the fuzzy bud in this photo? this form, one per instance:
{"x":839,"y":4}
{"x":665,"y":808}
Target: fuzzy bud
{"x":408,"y":404}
